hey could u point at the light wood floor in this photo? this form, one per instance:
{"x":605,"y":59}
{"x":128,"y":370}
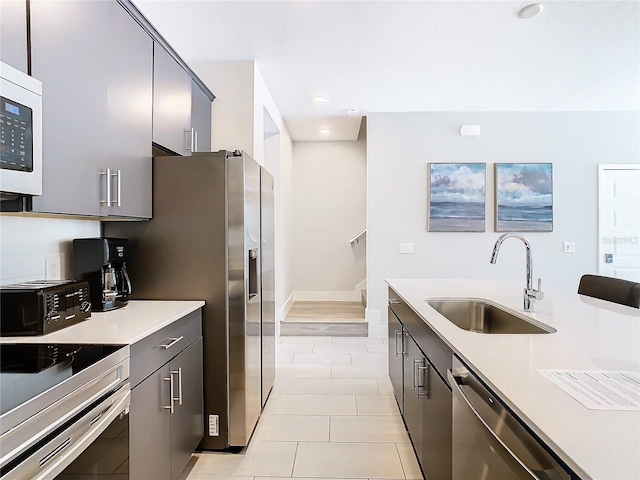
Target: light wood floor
{"x":325,"y":318}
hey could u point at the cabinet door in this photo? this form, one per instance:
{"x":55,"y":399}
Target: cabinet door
{"x":150,"y":427}
{"x":95,"y":64}
{"x":171,"y":103}
{"x":396,"y":357}
{"x":69,"y":41}
{"x":200,"y":119}
{"x":13,"y":34}
{"x":435,"y":456}
{"x":129,"y":110}
{"x":412,"y":413}
{"x":187,"y":428}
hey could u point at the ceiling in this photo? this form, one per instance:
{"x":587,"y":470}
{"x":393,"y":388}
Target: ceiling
{"x":415,"y":56}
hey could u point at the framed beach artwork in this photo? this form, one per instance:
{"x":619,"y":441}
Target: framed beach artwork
{"x":456,"y":198}
{"x":524,"y":197}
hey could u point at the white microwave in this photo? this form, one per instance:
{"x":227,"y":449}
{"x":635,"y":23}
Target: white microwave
{"x":20,"y":132}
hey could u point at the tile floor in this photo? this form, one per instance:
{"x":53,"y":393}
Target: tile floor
{"x":331,"y":415}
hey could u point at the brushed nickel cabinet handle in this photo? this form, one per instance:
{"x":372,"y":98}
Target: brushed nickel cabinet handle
{"x":107,"y":174}
{"x":173,"y":341}
{"x":170,"y":407}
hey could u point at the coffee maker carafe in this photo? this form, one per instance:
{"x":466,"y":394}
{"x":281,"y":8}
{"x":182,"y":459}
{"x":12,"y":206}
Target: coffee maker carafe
{"x":102,"y":263}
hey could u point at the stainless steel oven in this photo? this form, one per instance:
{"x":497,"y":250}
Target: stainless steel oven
{"x":489,"y":441}
{"x":64,"y":411}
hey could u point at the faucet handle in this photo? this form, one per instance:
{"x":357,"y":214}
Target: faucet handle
{"x":539,"y":294}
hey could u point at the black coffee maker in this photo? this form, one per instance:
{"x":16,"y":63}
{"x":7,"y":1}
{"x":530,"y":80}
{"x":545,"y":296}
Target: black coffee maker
{"x":102,"y":263}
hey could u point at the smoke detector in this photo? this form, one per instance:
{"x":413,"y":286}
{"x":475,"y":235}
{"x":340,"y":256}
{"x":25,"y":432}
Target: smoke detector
{"x":531,"y":11}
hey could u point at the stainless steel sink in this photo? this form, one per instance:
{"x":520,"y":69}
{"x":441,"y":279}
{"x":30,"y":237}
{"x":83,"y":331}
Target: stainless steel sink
{"x":483,"y":316}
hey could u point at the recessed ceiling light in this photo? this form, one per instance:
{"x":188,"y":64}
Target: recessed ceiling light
{"x":531,"y":11}
{"x":325,"y":131}
{"x":320,"y":99}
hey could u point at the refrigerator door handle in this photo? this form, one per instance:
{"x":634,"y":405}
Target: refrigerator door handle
{"x":253,"y":273}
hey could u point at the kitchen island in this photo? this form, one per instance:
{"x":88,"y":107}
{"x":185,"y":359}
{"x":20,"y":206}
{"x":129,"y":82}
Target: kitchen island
{"x":590,"y":334}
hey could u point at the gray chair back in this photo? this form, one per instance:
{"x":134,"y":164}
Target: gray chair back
{"x":611,"y":289}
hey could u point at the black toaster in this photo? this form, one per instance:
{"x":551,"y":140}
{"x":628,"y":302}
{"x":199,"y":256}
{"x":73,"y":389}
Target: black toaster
{"x":44,"y":306}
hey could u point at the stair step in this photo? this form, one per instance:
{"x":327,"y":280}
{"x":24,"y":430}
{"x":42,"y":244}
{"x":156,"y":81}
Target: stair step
{"x":333,"y":329}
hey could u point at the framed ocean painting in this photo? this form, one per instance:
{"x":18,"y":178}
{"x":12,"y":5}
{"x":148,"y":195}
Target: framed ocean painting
{"x":524,"y":197}
{"x":456,"y":198}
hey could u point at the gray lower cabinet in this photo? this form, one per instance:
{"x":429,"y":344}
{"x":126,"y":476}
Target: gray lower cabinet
{"x":13,"y":34}
{"x":413,"y":361}
{"x":418,"y":360}
{"x":186,"y":421}
{"x":96,"y":67}
{"x":436,"y":426}
{"x":396,"y":356}
{"x":166,"y":414}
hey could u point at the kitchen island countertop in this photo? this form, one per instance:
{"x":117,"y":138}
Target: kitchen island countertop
{"x":591,"y":335}
{"x":123,"y":326}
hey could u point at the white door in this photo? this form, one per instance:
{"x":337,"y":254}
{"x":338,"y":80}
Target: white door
{"x":619,"y":221}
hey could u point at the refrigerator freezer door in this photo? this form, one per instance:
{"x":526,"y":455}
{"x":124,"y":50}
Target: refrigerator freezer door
{"x":268,"y":281}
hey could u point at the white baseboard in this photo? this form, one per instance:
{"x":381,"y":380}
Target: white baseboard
{"x":282,"y":313}
{"x":376,"y":330}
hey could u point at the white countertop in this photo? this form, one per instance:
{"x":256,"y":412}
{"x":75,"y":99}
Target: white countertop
{"x":124,"y":326}
{"x":591,"y":335}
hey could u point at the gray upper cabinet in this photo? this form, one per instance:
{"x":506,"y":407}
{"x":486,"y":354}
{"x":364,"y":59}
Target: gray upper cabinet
{"x":96,"y":66}
{"x":200,"y":119}
{"x":171,"y":103}
{"x":13,"y":34}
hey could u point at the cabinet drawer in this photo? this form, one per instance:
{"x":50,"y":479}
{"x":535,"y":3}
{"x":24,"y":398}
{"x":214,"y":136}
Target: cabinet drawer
{"x":152,"y":352}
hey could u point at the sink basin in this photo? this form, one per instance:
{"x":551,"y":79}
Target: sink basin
{"x":484,"y":316}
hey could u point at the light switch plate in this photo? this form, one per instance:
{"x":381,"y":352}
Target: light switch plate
{"x":406,"y":248}
{"x":569,"y":247}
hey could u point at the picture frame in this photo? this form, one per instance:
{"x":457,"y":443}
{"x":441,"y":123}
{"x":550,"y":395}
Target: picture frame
{"x":456,"y":198}
{"x":524,"y":197}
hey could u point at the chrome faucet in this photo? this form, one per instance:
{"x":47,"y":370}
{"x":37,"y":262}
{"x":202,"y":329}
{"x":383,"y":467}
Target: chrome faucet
{"x":530,"y":295}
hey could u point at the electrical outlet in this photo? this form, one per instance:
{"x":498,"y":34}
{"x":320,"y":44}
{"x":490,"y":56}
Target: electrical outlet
{"x":214,"y":422}
{"x":569,"y":247}
{"x":52,"y":268}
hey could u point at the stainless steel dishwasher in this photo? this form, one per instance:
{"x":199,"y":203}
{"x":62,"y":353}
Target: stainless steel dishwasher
{"x":489,"y":442}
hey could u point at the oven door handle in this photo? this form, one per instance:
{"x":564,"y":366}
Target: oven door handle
{"x":66,"y":452}
{"x":500,"y":447}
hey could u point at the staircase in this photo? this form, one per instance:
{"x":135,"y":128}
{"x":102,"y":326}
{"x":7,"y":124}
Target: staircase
{"x":336,"y":319}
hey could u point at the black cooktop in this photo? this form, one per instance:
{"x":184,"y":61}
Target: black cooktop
{"x":27,"y":370}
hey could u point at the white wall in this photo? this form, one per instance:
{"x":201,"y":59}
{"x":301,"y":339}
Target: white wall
{"x":400,"y":145}
{"x":26,"y":241}
{"x":329,"y":209}
{"x":232,"y":110}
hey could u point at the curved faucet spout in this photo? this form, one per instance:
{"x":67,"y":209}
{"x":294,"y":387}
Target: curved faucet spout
{"x":530,"y":294}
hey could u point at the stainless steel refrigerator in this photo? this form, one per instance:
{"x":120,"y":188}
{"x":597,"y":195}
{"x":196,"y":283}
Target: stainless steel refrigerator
{"x":212,"y":238}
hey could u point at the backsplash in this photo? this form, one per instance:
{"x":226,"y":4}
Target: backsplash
{"x":26,"y":243}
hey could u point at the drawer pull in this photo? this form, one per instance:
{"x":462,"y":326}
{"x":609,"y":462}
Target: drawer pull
{"x":173,"y":341}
